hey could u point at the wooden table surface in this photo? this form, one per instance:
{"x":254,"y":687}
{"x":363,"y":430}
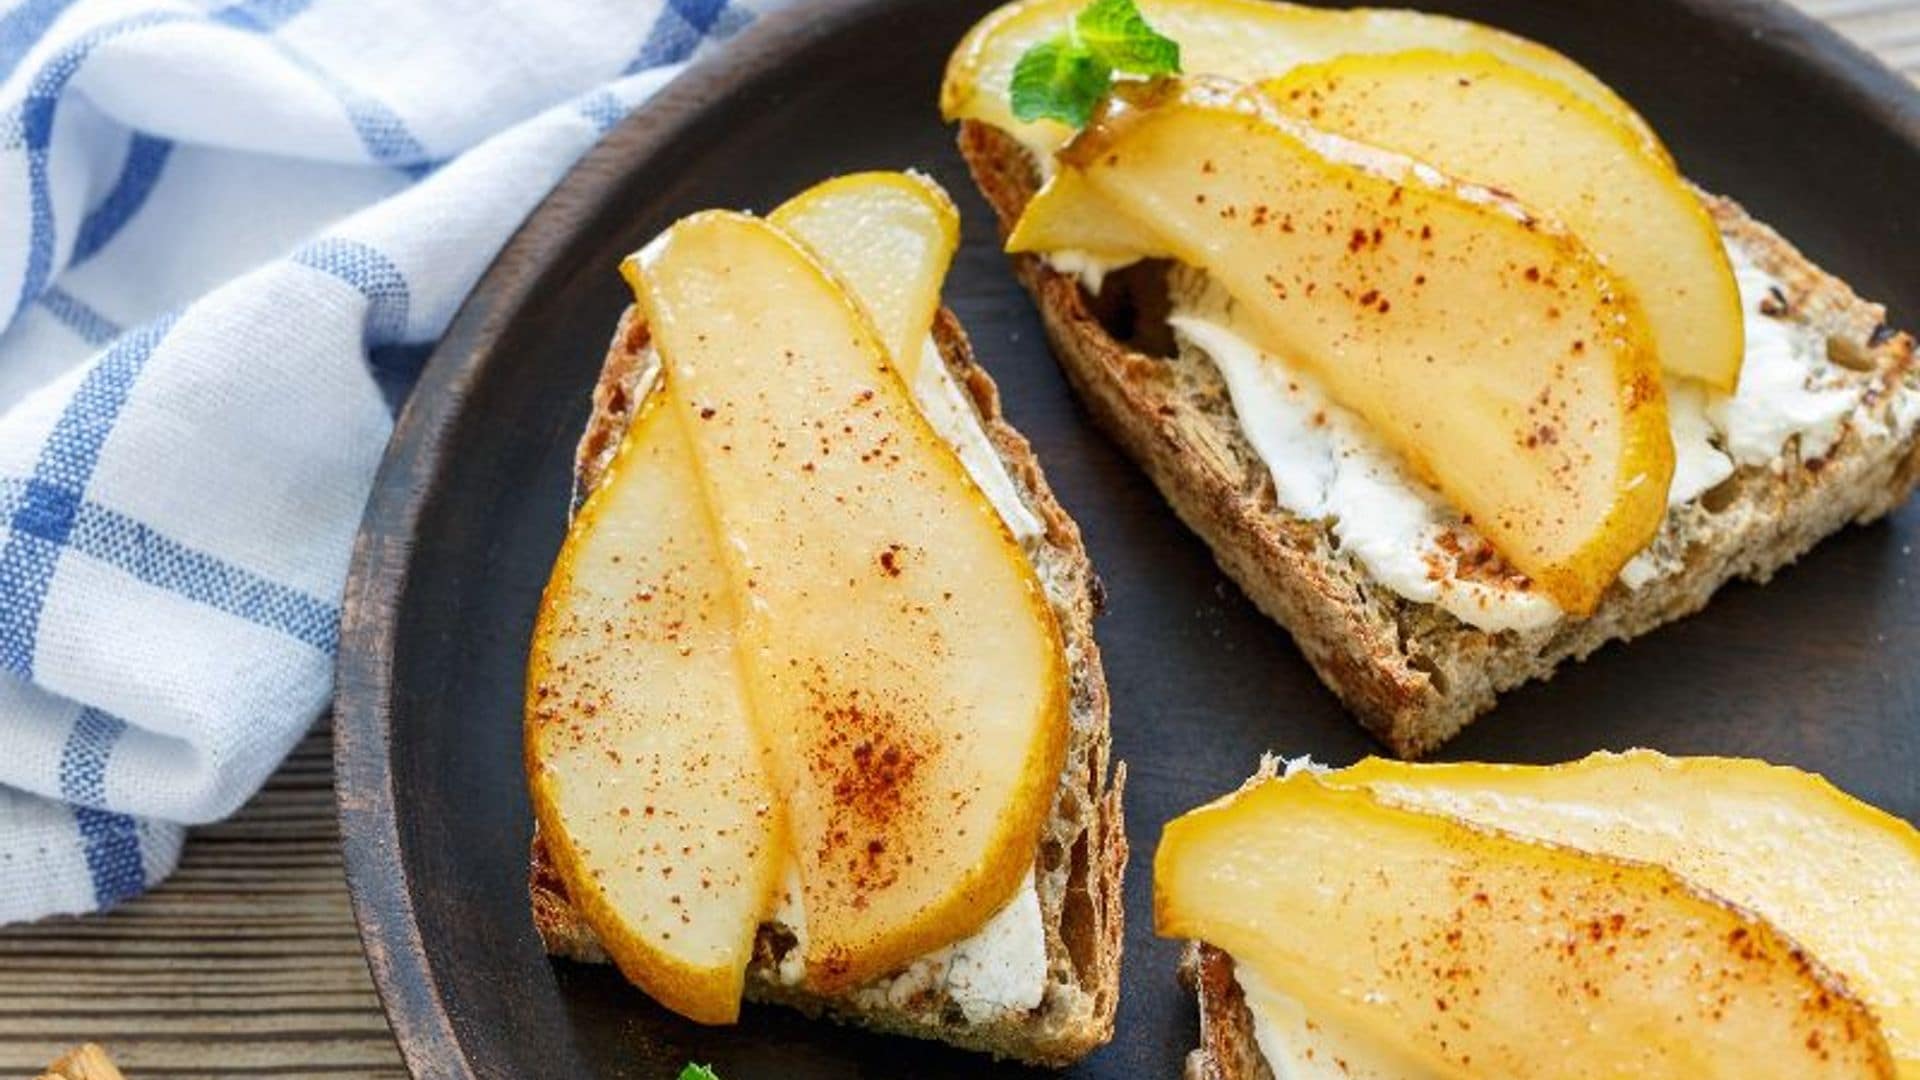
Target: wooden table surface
{"x":246,"y":962}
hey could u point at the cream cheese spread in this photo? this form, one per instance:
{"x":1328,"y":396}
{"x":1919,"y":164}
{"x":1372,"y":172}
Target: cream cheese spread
{"x":1787,"y":386}
{"x":1091,"y":269}
{"x":1000,"y":970}
{"x":952,"y":415}
{"x":1299,"y":1046}
{"x":1327,"y":465}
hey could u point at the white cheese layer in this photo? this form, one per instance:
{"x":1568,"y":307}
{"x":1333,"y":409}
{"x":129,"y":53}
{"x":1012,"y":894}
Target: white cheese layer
{"x":1327,"y":465}
{"x":1787,"y":386}
{"x":1091,"y":269}
{"x":952,"y":415}
{"x":1002,"y":968}
{"x":1298,"y":1046}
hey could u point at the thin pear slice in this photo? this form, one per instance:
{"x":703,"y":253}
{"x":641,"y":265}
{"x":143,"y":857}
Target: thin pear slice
{"x":644,"y":765}
{"x":903,"y":660}
{"x":1069,"y":214}
{"x":1499,"y":357}
{"x":1837,"y":875}
{"x":1247,"y":40}
{"x":888,"y":238}
{"x":1487,"y":121}
{"x":1490,"y":955}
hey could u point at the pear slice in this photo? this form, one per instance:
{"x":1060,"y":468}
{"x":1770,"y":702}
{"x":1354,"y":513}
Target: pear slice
{"x":1837,"y":875}
{"x":1485,"y":954}
{"x":645,"y":768}
{"x":1487,"y":121}
{"x":888,"y":238}
{"x":1070,"y":214}
{"x":902,"y":659}
{"x":1498,"y":356}
{"x":1247,"y":40}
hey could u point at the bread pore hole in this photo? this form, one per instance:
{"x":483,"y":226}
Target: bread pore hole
{"x":1434,"y":673}
{"x":1079,"y":921}
{"x":1850,"y":354}
{"x":1719,"y":497}
{"x":1132,"y":307}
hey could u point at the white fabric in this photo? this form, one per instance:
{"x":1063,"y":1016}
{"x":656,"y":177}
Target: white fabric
{"x":228,"y":234}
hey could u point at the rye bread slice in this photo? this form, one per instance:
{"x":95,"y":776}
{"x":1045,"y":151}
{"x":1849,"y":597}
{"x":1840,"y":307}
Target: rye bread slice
{"x":1413,"y":674}
{"x":1083,"y":848}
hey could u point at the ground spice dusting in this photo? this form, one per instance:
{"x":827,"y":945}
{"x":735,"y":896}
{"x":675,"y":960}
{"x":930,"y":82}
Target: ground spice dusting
{"x":867,"y":761}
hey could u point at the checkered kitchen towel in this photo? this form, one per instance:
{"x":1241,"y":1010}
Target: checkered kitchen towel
{"x":228,"y":234}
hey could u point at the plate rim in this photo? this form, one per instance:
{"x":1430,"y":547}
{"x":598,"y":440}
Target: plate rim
{"x":416,"y":453}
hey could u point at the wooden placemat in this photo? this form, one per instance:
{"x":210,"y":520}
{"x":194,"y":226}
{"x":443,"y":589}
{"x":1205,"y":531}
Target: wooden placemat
{"x":246,"y":962}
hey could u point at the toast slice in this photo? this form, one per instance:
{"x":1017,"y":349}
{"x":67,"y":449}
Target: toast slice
{"x":1227,"y":1050}
{"x":1083,"y":848}
{"x":1412,"y":673}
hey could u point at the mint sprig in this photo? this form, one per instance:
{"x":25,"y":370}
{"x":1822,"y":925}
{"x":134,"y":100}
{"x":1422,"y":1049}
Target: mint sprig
{"x":698,"y":1072}
{"x":1064,"y":77}
{"x":1116,"y":32}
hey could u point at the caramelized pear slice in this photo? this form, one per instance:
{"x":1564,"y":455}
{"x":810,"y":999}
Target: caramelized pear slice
{"x":1506,"y":365}
{"x":1248,"y":40}
{"x":1069,"y":214}
{"x":1487,"y":121}
{"x":1837,"y":875}
{"x":1488,"y":955}
{"x":644,"y":766}
{"x":903,"y":661}
{"x":888,"y":238}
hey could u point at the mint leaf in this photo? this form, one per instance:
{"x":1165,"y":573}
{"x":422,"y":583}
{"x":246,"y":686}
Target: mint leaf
{"x":1064,"y":77}
{"x":698,"y":1072}
{"x":1117,"y":34}
{"x":1060,"y":79}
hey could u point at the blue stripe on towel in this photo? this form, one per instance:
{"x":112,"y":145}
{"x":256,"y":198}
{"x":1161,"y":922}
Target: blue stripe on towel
{"x":78,"y":316}
{"x":44,"y":519}
{"x":36,"y":129}
{"x":603,"y":109}
{"x":381,"y":130}
{"x":22,"y":27}
{"x":110,"y":842}
{"x":262,"y":16}
{"x":146,"y":157}
{"x":374,"y":274}
{"x":143,"y":552}
{"x":680,"y":29}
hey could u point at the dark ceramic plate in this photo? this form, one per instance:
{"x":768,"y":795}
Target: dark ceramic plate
{"x":1817,"y":669}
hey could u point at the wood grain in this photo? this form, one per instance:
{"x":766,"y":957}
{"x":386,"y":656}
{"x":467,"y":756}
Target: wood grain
{"x":247,"y":962}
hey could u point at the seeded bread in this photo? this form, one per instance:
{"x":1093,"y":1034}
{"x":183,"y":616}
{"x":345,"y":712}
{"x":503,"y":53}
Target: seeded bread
{"x":1413,"y":674}
{"x":1083,"y":849}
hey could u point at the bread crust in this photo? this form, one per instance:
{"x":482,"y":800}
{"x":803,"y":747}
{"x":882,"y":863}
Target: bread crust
{"x":1413,"y":674}
{"x":1228,"y":1049}
{"x":1083,"y":849}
